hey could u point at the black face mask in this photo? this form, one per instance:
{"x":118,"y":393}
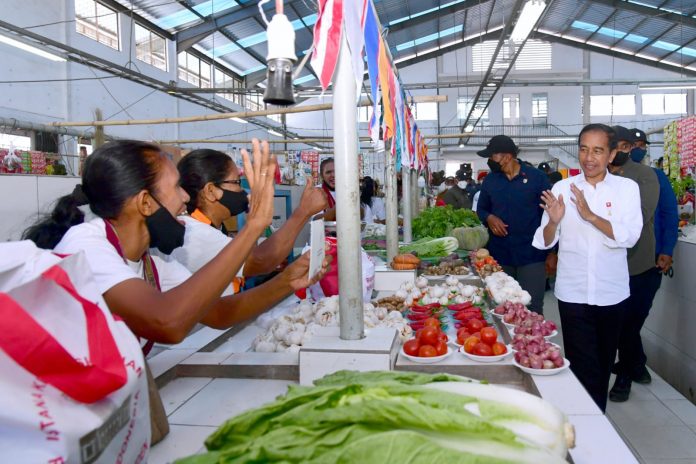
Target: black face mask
{"x":494,"y":165}
{"x":620,"y":159}
{"x":166,"y":233}
{"x":236,"y":202}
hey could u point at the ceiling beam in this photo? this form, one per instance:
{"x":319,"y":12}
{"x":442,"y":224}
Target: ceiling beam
{"x":411,"y":23}
{"x":186,"y":38}
{"x":613,"y":53}
{"x":466,"y":43}
{"x":113,"y":4}
{"x":666,"y":15}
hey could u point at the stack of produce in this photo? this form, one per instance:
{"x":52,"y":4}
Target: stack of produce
{"x":484,"y":263}
{"x":393,"y":417}
{"x":405,"y":262}
{"x":429,"y":247}
{"x":512,"y":313}
{"x":468,"y":316}
{"x":439,"y":221}
{"x":535,"y":324}
{"x":391,"y":303}
{"x":452,"y":291}
{"x":504,"y":288}
{"x":430,"y":340}
{"x":288,"y":333}
{"x":449,"y":265}
{"x":535,"y":352}
{"x":38,"y":162}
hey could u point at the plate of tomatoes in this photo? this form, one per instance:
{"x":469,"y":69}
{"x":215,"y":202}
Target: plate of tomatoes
{"x":482,"y":346}
{"x":429,"y":345}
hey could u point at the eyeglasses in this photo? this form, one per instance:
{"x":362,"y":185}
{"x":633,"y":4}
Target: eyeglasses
{"x":234,"y":182}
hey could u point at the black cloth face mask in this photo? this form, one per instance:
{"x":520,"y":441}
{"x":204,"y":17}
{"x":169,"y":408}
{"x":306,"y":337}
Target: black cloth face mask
{"x":494,"y":165}
{"x":166,"y":233}
{"x":236,"y":202}
{"x":620,"y":158}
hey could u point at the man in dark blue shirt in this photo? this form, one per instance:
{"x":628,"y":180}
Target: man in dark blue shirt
{"x":509,"y":205}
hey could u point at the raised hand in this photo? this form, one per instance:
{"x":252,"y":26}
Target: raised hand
{"x":581,"y":204}
{"x":313,"y":199}
{"x":297,"y":272}
{"x":555,"y":207}
{"x":260,"y":177}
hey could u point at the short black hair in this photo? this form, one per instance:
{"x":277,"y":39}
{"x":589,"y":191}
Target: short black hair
{"x":323,"y":163}
{"x":611,"y":134}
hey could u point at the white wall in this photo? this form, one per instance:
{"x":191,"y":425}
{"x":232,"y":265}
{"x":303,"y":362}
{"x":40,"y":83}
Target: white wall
{"x":25,"y":197}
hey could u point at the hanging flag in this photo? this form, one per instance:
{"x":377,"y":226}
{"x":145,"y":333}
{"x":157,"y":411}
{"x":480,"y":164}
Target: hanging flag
{"x":354,"y":20}
{"x":386,"y":80}
{"x":327,"y":40}
{"x":372,"y":39}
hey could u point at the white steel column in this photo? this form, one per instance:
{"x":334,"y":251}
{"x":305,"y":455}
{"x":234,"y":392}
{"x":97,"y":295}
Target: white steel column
{"x":345,"y":131}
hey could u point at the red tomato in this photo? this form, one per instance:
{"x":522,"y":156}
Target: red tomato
{"x":411,"y":347}
{"x":427,"y":351}
{"x":432,"y":322}
{"x":498,"y":349}
{"x":418,"y":333}
{"x":470,"y":343}
{"x":463,"y":332}
{"x":441,"y":348}
{"x":489,"y":336}
{"x":481,"y":349}
{"x":474,"y":325}
{"x":443,"y":337}
{"x":430,"y":336}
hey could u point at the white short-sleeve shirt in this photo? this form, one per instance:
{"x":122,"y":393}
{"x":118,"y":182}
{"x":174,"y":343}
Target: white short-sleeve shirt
{"x":202,"y":243}
{"x":108,"y":267}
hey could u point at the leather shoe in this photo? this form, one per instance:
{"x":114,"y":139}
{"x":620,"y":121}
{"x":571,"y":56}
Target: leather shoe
{"x":621,"y":390}
{"x":642,"y":377}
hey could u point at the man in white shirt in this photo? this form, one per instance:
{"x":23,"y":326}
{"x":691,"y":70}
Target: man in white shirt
{"x":594,"y":217}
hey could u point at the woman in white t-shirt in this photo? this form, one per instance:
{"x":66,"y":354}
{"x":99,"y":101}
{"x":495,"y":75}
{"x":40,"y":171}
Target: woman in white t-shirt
{"x":213,"y":184}
{"x":367,"y":193}
{"x":133,"y":188}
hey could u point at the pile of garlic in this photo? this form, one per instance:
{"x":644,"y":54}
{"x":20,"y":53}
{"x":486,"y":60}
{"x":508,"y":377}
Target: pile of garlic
{"x":289,"y":332}
{"x":452,"y":291}
{"x":505,"y":288}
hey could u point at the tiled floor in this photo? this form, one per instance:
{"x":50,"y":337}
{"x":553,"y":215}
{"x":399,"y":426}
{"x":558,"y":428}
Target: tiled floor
{"x":657,"y":422}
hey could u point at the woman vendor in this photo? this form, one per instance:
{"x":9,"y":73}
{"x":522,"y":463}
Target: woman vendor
{"x":212,"y":181}
{"x":133,"y":188}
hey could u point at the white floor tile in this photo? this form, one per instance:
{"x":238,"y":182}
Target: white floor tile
{"x":664,"y":442}
{"x":182,"y":441}
{"x":641,"y":412}
{"x":222,"y":399}
{"x":662,"y":389}
{"x":178,"y":391}
{"x":669,"y":461}
{"x":684,"y":408}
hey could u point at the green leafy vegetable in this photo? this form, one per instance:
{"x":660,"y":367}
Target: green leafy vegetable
{"x":389,"y":417}
{"x":431,"y":247}
{"x":438,"y":221}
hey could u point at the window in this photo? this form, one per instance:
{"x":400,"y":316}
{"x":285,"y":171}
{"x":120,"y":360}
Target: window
{"x":97,"y":22}
{"x":664,"y":103}
{"x":364,"y":113}
{"x":612,"y":105}
{"x":18,"y":142}
{"x":150,"y":47}
{"x":274,"y":117}
{"x":194,"y":70}
{"x":225,"y":80}
{"x":464,"y":106}
{"x":540,"y":109}
{"x":254,"y":102}
{"x":511,"y":108}
{"x":536,"y":54}
{"x":425,"y":111}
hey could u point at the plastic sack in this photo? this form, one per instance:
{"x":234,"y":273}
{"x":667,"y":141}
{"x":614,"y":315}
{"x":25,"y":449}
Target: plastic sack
{"x":73,"y":385}
{"x":328,"y":285}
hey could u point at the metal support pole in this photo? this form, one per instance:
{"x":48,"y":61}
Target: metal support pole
{"x":414,"y":193}
{"x":350,"y":300}
{"x":406,"y":202}
{"x":392,"y":205}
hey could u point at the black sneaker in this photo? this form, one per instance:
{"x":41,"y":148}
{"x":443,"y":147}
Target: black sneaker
{"x":643,"y":376}
{"x":621,"y":390}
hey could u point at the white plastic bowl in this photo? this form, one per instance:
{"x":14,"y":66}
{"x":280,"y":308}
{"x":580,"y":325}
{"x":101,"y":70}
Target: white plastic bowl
{"x":529,"y":370}
{"x":422,"y":360}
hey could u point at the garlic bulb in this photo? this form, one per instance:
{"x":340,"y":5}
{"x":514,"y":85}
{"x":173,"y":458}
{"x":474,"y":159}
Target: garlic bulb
{"x":265,"y":347}
{"x":421,"y":282}
{"x":292,"y":349}
{"x":403,"y":294}
{"x":451,"y":281}
{"x":443,"y":300}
